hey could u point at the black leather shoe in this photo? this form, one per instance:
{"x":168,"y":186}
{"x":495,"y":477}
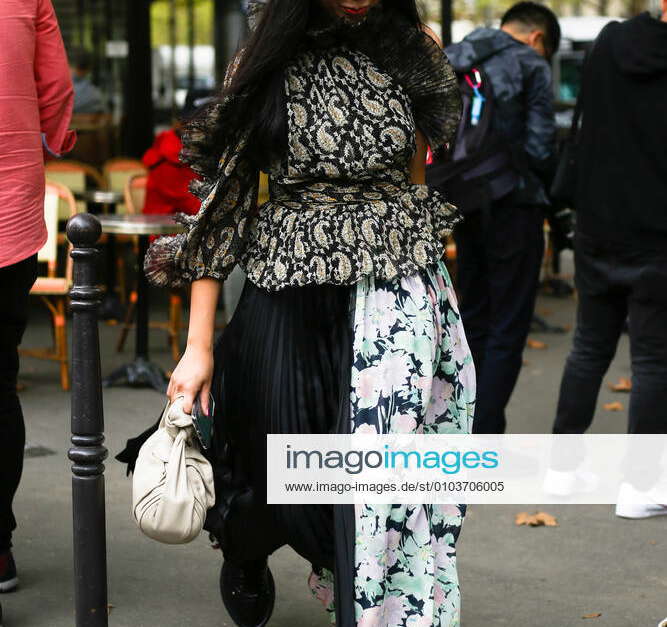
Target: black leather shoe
{"x":248,"y":592}
{"x":9,"y":580}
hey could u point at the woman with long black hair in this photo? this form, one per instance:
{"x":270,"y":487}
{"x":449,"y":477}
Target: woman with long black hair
{"x":348,"y":321}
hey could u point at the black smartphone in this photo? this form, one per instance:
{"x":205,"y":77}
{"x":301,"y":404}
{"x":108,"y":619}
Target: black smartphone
{"x":203,"y":423}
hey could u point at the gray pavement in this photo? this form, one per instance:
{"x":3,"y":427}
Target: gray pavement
{"x":514,"y":576}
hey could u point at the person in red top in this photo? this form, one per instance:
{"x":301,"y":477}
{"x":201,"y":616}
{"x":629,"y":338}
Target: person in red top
{"x":36,"y":99}
{"x":168,"y":178}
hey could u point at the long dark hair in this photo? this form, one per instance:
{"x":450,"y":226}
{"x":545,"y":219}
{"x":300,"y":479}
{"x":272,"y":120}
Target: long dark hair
{"x":254,"y":97}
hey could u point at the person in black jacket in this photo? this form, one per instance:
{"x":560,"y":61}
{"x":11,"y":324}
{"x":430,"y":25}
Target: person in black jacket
{"x":621,"y":239}
{"x":499,"y":252}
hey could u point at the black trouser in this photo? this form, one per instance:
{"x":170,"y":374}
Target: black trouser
{"x":615,"y":285}
{"x":16,"y":281}
{"x":499,"y":255}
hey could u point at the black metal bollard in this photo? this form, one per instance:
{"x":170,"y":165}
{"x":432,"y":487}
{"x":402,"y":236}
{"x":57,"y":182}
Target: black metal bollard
{"x":88,"y":452}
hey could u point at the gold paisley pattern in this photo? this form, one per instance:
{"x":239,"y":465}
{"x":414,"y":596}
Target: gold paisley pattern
{"x":360,"y":128}
{"x":342,"y":206}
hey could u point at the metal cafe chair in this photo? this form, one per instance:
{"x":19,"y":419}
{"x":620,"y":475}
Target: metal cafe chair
{"x":53,"y":289}
{"x":76,"y":176}
{"x":118,"y":172}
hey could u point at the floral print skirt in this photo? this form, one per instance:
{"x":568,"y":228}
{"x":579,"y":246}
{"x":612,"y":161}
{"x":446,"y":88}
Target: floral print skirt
{"x":380,"y":357}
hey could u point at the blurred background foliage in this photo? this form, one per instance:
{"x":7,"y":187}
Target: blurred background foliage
{"x":487,"y":11}
{"x":475,"y":11}
{"x":161,"y":12}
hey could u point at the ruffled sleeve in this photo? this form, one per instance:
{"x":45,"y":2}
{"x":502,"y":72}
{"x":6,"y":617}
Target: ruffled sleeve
{"x":227,"y":186}
{"x":430,"y":81}
{"x":415,"y":61}
{"x":215,"y":237}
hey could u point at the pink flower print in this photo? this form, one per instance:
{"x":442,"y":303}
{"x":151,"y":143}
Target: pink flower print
{"x":452,"y":300}
{"x":458,"y":344}
{"x":394,"y":610}
{"x":418,"y":523}
{"x":403,"y":424}
{"x":366,"y":429}
{"x":370,"y":617}
{"x":384,"y":299}
{"x":393,"y":539}
{"x":382,"y":312}
{"x":443,"y":550}
{"x":438,"y":318}
{"x":370,"y":568}
{"x":441,"y":392}
{"x":424,"y":383}
{"x":393,"y":373}
{"x":440,"y":280}
{"x":449,"y":510}
{"x":321,"y":589}
{"x":438,"y":595}
{"x":369,"y":385}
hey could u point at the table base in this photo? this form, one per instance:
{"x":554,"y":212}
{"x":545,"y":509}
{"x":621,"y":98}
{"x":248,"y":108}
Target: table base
{"x":139,"y":373}
{"x":111,"y":308}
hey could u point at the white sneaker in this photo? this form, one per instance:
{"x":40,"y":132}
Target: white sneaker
{"x":663,"y":623}
{"x":569,"y":482}
{"x":635,"y":504}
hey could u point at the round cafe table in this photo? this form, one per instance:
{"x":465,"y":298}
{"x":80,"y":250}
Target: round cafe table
{"x":141,"y":371}
{"x":111,"y":307}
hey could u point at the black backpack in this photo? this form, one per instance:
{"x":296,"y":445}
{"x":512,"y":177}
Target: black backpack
{"x":478,"y":168}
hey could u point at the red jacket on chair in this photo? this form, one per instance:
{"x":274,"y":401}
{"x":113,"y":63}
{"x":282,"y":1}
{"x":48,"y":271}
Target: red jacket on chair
{"x":168,"y":178}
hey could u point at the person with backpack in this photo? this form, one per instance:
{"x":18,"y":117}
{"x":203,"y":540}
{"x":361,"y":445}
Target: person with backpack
{"x":500,"y":161}
{"x":621,"y":242}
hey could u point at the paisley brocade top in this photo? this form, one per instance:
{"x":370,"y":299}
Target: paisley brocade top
{"x":342,"y":205}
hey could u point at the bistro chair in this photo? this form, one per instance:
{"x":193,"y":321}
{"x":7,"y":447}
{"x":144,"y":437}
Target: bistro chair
{"x":135,"y":193}
{"x":118,"y":172}
{"x":53,"y":289}
{"x":76,"y":176}
{"x":135,"y":198}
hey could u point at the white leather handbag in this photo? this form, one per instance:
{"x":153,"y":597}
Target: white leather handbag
{"x":172,"y":487}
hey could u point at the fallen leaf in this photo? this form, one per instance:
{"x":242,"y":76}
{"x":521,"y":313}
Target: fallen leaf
{"x":536,"y":344}
{"x":624,"y":385}
{"x":522,"y":518}
{"x":594,"y":615}
{"x":615,"y":406}
{"x":109,"y":609}
{"x":546,"y":519}
{"x":539,"y":519}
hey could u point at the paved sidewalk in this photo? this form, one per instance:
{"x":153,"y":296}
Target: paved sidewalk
{"x":514,"y":576}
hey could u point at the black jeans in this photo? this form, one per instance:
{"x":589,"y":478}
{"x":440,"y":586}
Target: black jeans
{"x":615,"y":285}
{"x":16,"y":281}
{"x":499,"y":255}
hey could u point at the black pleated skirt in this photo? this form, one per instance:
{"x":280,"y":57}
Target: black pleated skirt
{"x":282,"y":365}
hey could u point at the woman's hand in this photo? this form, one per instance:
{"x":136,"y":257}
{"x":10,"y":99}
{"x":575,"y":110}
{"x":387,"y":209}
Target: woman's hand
{"x":194,"y":373}
{"x":192,"y":377}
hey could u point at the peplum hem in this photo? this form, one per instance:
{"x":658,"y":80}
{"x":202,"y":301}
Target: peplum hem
{"x":340,"y":239}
